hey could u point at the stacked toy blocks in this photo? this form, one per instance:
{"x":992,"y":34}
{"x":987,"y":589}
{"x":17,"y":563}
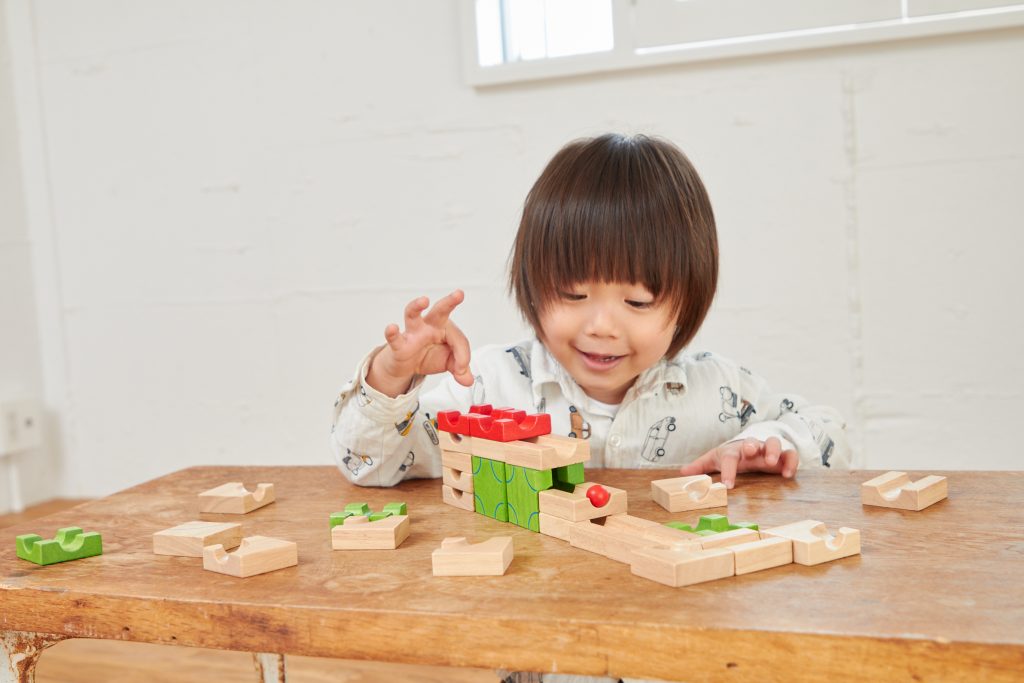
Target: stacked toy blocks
{"x":498,"y":462}
{"x":358,"y":528}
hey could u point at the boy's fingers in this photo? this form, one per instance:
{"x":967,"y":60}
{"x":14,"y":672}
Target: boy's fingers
{"x":391,"y":333}
{"x":772,"y":451}
{"x":705,"y":464}
{"x":790,"y":463}
{"x":413,"y":310}
{"x":460,"y":354}
{"x":438,"y":315}
{"x":729,"y":460}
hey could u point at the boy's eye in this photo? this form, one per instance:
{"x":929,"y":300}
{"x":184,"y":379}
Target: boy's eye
{"x":570,"y":296}
{"x":639,"y":304}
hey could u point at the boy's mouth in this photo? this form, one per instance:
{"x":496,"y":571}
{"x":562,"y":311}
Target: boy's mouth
{"x":599,"y":361}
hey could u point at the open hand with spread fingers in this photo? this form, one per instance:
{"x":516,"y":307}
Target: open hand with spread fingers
{"x":745,"y":455}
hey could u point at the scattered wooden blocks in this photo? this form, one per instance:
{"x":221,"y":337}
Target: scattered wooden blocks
{"x":458,"y":557}
{"x":256,"y":555}
{"x":460,"y":499}
{"x":895,"y":490}
{"x":576,"y":507}
{"x":189,"y":539}
{"x":813,"y":544}
{"x":362,"y":533}
{"x":70,"y":543}
{"x":682,"y":494}
{"x":233,"y":498}
{"x":763,"y":554}
{"x":682,"y":566}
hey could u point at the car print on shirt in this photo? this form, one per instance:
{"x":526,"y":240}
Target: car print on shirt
{"x":580,"y":427}
{"x":430,"y":427}
{"x":405,"y":425}
{"x":362,"y":400}
{"x":355,"y":462}
{"x":654,"y":443}
{"x":735,"y":407}
{"x":522,"y":360}
{"x":824,"y":442}
{"x":407,"y":463}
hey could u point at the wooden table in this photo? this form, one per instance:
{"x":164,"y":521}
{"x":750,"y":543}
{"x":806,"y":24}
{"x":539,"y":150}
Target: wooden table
{"x":935,"y":595}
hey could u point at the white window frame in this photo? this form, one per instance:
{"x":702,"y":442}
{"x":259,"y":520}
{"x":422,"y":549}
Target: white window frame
{"x":625,"y":56}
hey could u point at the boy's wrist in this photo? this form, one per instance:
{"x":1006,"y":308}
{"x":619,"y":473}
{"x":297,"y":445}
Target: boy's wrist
{"x":383,"y":381}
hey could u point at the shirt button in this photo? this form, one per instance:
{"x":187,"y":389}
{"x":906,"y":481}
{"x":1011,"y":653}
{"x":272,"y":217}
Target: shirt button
{"x":615,"y":440}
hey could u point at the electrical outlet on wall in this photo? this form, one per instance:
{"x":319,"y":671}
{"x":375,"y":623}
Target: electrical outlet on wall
{"x":21,"y":426}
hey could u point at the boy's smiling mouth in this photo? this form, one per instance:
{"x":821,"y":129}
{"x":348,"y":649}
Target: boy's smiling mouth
{"x":599,"y":361}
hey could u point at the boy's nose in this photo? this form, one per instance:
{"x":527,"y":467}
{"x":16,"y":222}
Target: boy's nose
{"x":601,"y":323}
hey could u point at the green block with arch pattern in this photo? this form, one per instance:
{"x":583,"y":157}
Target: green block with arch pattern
{"x":489,"y":488}
{"x":522,"y":491}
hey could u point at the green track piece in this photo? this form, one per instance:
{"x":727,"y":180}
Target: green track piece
{"x":357,"y":509}
{"x":489,"y":483}
{"x":69,"y":544}
{"x":338,"y":518}
{"x":566,"y":478}
{"x":379,"y":515}
{"x":360,"y":509}
{"x":712,"y":524}
{"x":396,"y":509}
{"x":522,"y":490}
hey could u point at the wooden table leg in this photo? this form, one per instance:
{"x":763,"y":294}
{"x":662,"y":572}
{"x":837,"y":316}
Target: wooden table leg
{"x":21,"y":651}
{"x":269,"y":667}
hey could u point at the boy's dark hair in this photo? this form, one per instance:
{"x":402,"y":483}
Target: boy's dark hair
{"x":618,"y":209}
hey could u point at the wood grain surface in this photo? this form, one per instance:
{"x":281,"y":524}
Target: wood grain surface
{"x":935,"y":595}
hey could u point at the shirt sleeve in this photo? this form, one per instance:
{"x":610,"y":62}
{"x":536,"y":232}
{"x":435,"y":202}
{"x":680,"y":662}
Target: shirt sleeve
{"x":378,"y":440}
{"x":816,"y":432}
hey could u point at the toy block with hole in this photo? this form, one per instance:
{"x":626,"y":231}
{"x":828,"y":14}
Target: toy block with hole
{"x":682,"y":494}
{"x":460,"y":462}
{"x":712,"y":524}
{"x":680,"y":566}
{"x":655,"y":532}
{"x":895,"y":490}
{"x":763,"y":554}
{"x":582,"y":503}
{"x":235,"y":499}
{"x":70,"y":543}
{"x":494,"y":424}
{"x":727,"y":538}
{"x":489,"y":488}
{"x":189,"y":539}
{"x":461,"y":480}
{"x":459,"y":557}
{"x":456,"y":498}
{"x":363,"y":533}
{"x":256,"y":555}
{"x":521,"y":491}
{"x":555,"y":527}
{"x":454,"y":422}
{"x":539,"y":452}
{"x":813,"y":544}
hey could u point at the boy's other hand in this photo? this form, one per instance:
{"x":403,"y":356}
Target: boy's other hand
{"x":431,"y":343}
{"x":745,"y":455}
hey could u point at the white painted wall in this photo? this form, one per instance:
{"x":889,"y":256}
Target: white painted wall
{"x":244,"y":194}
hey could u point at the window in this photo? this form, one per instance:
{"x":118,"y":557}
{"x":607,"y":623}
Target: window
{"x":515,"y":40}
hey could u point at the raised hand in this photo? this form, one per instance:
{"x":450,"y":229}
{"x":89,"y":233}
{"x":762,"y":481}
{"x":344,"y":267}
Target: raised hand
{"x":746,"y":455}
{"x":431,"y":343}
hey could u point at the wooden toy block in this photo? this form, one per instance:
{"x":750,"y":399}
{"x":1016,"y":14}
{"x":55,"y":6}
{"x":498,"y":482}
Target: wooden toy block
{"x":235,"y":499}
{"x":362,"y":533}
{"x":682,"y":494}
{"x":813,"y":544}
{"x":460,"y":499}
{"x":895,"y":490}
{"x":521,"y":491}
{"x":615,"y":544}
{"x":460,"y":462}
{"x":509,"y":425}
{"x":566,"y":478}
{"x":652,"y":531}
{"x":459,"y":557}
{"x":454,"y":422}
{"x":70,"y":543}
{"x":539,"y":452}
{"x":763,"y":554}
{"x":461,"y":480}
{"x":576,"y":507}
{"x":489,"y":488}
{"x":189,"y":539}
{"x":363,"y":510}
{"x":680,"y":566}
{"x":554,"y":526}
{"x":728,"y":538}
{"x":712,"y":524}
{"x":256,"y":555}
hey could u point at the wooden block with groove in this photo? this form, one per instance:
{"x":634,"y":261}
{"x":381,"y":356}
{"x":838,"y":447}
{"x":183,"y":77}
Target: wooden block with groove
{"x":813,"y":544}
{"x":463,"y":462}
{"x":539,"y":452}
{"x":233,"y":498}
{"x":615,"y":544}
{"x":762,"y":554}
{"x":727,"y":538}
{"x":460,"y":480}
{"x":256,"y":555}
{"x":682,"y":494}
{"x":576,"y":507}
{"x":189,"y":539}
{"x":359,"y":533}
{"x":895,"y":490}
{"x":456,"y":498}
{"x":680,"y":566}
{"x":459,"y":557}
{"x":650,"y":530}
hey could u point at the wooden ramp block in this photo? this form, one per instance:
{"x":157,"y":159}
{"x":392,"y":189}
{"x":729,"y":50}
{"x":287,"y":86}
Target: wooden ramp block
{"x":460,"y":480}
{"x":459,"y":557}
{"x":895,"y":490}
{"x":576,"y":507}
{"x":681,"y":494}
{"x":460,"y":499}
{"x":359,"y":533}
{"x":189,"y":539}
{"x":256,"y":555}
{"x":680,"y":566}
{"x":538,"y":453}
{"x":235,"y":499}
{"x":763,"y":554}
{"x":813,"y":544}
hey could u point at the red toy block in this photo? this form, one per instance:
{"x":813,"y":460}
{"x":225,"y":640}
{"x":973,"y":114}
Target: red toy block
{"x":455,"y":422}
{"x":508,"y":429}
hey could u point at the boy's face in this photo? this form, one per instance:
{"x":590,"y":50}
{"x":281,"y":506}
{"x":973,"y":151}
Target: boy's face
{"x":606,"y":334}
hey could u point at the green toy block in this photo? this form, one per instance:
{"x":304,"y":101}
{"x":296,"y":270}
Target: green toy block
{"x":522,"y":490}
{"x":69,"y":544}
{"x":396,"y":509}
{"x":359,"y":509}
{"x":566,"y":478}
{"x":489,"y":484}
{"x":712,"y":524}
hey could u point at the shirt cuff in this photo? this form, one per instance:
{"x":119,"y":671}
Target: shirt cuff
{"x":381,"y":407}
